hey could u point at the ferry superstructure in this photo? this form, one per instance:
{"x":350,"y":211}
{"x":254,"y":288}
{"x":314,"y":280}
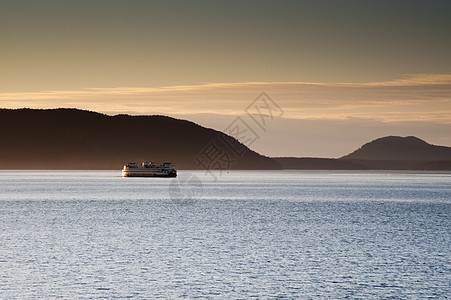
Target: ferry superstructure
{"x":147,"y":169}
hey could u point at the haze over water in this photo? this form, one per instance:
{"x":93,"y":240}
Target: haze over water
{"x":269,"y":234}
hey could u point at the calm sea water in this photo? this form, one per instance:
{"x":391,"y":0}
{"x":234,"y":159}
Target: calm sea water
{"x":276,"y":234}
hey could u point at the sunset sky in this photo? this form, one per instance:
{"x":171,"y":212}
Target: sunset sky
{"x":343,"y":72}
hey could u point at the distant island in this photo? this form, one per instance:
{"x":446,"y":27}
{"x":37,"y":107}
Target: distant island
{"x":386,"y":153}
{"x":85,"y":140}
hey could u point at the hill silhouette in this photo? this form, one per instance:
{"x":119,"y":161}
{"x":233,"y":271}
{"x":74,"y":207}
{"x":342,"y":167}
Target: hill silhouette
{"x":78,"y":139}
{"x":399,"y":153}
{"x":387,"y":153}
{"x":400,"y":148}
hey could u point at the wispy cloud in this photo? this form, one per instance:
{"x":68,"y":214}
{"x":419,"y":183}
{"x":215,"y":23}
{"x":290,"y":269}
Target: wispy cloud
{"x":425,"y":97}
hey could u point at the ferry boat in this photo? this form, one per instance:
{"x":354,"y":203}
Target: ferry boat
{"x":147,"y":169}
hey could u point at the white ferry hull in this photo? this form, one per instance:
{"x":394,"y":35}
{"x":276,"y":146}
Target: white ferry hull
{"x":145,"y":173}
{"x":149,"y":170}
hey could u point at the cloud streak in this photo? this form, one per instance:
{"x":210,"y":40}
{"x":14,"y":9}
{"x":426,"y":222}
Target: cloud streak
{"x":419,"y":97}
